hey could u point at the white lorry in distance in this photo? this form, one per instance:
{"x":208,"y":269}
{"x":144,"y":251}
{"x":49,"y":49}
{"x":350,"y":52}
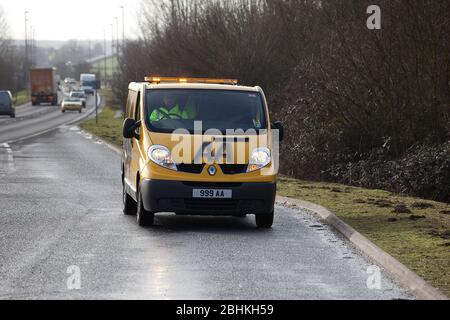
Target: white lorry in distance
{"x":86,"y":82}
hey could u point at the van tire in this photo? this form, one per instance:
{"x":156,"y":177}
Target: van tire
{"x":13,"y":115}
{"x":264,"y":221}
{"x":144,"y":218}
{"x":129,"y":205}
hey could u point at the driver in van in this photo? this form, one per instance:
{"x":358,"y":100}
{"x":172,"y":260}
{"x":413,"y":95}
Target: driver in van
{"x":172,"y":110}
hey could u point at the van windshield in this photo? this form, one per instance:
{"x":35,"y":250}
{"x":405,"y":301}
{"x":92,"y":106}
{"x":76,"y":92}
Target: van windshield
{"x":169,"y":109}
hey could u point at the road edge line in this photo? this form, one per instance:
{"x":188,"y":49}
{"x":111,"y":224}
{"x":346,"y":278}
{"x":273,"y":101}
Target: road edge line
{"x":110,"y":146}
{"x":398,"y":271}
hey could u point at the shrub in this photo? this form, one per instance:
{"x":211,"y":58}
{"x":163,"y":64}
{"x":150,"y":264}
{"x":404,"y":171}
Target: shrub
{"x":423,"y":171}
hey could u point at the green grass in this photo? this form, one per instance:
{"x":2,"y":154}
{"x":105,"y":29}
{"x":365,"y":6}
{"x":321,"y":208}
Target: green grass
{"x":21,"y":97}
{"x":112,"y":66}
{"x":110,"y":98}
{"x":419,"y":239}
{"x":109,"y":126}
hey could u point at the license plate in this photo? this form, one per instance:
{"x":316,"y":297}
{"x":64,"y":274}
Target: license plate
{"x":212,"y":193}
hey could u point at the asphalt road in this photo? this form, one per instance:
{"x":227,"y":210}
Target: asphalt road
{"x":31,"y":120}
{"x":60,"y":211}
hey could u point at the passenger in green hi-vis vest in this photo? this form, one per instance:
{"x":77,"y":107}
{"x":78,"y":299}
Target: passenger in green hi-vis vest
{"x":171,"y":110}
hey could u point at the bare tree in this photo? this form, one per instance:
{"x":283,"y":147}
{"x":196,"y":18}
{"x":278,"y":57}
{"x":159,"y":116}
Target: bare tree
{"x":7,"y":56}
{"x":3,"y":32}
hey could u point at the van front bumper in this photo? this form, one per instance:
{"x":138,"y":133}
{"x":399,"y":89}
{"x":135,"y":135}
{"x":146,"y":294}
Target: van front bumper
{"x":177,"y":196}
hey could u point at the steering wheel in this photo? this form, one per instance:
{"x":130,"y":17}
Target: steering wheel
{"x":171,"y":116}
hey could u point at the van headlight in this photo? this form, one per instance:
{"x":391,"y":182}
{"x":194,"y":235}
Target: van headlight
{"x":259,"y":158}
{"x":161,"y":156}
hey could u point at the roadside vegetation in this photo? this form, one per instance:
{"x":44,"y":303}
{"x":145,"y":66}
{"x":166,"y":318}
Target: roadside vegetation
{"x":110,"y":121}
{"x":21,"y":98}
{"x":112,"y":67}
{"x":413,"y":230}
{"x":11,"y":59}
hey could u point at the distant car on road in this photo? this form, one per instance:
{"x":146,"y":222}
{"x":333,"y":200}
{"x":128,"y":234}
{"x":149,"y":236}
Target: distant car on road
{"x":71,"y":104}
{"x":70,"y":81}
{"x":80,"y":95}
{"x":7,"y":104}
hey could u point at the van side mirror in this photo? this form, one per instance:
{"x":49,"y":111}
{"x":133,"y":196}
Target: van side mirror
{"x":279,"y":126}
{"x":129,"y":128}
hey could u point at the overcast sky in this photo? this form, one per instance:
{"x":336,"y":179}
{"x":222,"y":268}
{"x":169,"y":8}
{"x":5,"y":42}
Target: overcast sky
{"x":64,"y":19}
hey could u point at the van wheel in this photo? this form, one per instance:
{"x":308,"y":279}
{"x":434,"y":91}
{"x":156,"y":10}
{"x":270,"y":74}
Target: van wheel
{"x":144,"y":218}
{"x":129,"y":205}
{"x":13,"y":115}
{"x":265,"y":220}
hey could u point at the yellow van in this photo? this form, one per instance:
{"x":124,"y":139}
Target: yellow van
{"x":199,"y":147}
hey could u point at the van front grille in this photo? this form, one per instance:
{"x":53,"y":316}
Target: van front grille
{"x":191,"y":168}
{"x":226,"y":168}
{"x":205,"y":185}
{"x":233,"y":168}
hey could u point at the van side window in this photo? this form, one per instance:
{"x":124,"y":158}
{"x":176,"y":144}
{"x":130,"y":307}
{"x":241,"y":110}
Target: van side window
{"x":137,"y":115}
{"x":131,"y":104}
{"x":128,"y":106}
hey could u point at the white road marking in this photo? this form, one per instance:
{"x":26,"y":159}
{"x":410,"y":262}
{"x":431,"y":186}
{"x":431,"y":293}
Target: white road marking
{"x":6,"y":159}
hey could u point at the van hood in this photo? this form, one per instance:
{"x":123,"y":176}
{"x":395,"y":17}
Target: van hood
{"x":226,"y":148}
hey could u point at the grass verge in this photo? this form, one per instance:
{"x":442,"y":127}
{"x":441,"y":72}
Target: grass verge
{"x":21,"y":97}
{"x":414,"y":231}
{"x":110,"y":122}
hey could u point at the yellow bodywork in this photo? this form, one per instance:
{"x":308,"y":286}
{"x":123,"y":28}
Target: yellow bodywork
{"x":140,"y":164}
{"x":150,"y":170}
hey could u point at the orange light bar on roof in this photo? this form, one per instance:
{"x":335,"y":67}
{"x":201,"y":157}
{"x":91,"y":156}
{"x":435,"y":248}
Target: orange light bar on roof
{"x":157,"y":80}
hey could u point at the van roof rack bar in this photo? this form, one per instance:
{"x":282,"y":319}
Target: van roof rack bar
{"x":157,"y":80}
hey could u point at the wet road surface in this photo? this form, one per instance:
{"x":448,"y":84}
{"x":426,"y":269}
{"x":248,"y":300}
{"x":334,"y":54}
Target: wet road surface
{"x":60,"y":209}
{"x":31,"y":120}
